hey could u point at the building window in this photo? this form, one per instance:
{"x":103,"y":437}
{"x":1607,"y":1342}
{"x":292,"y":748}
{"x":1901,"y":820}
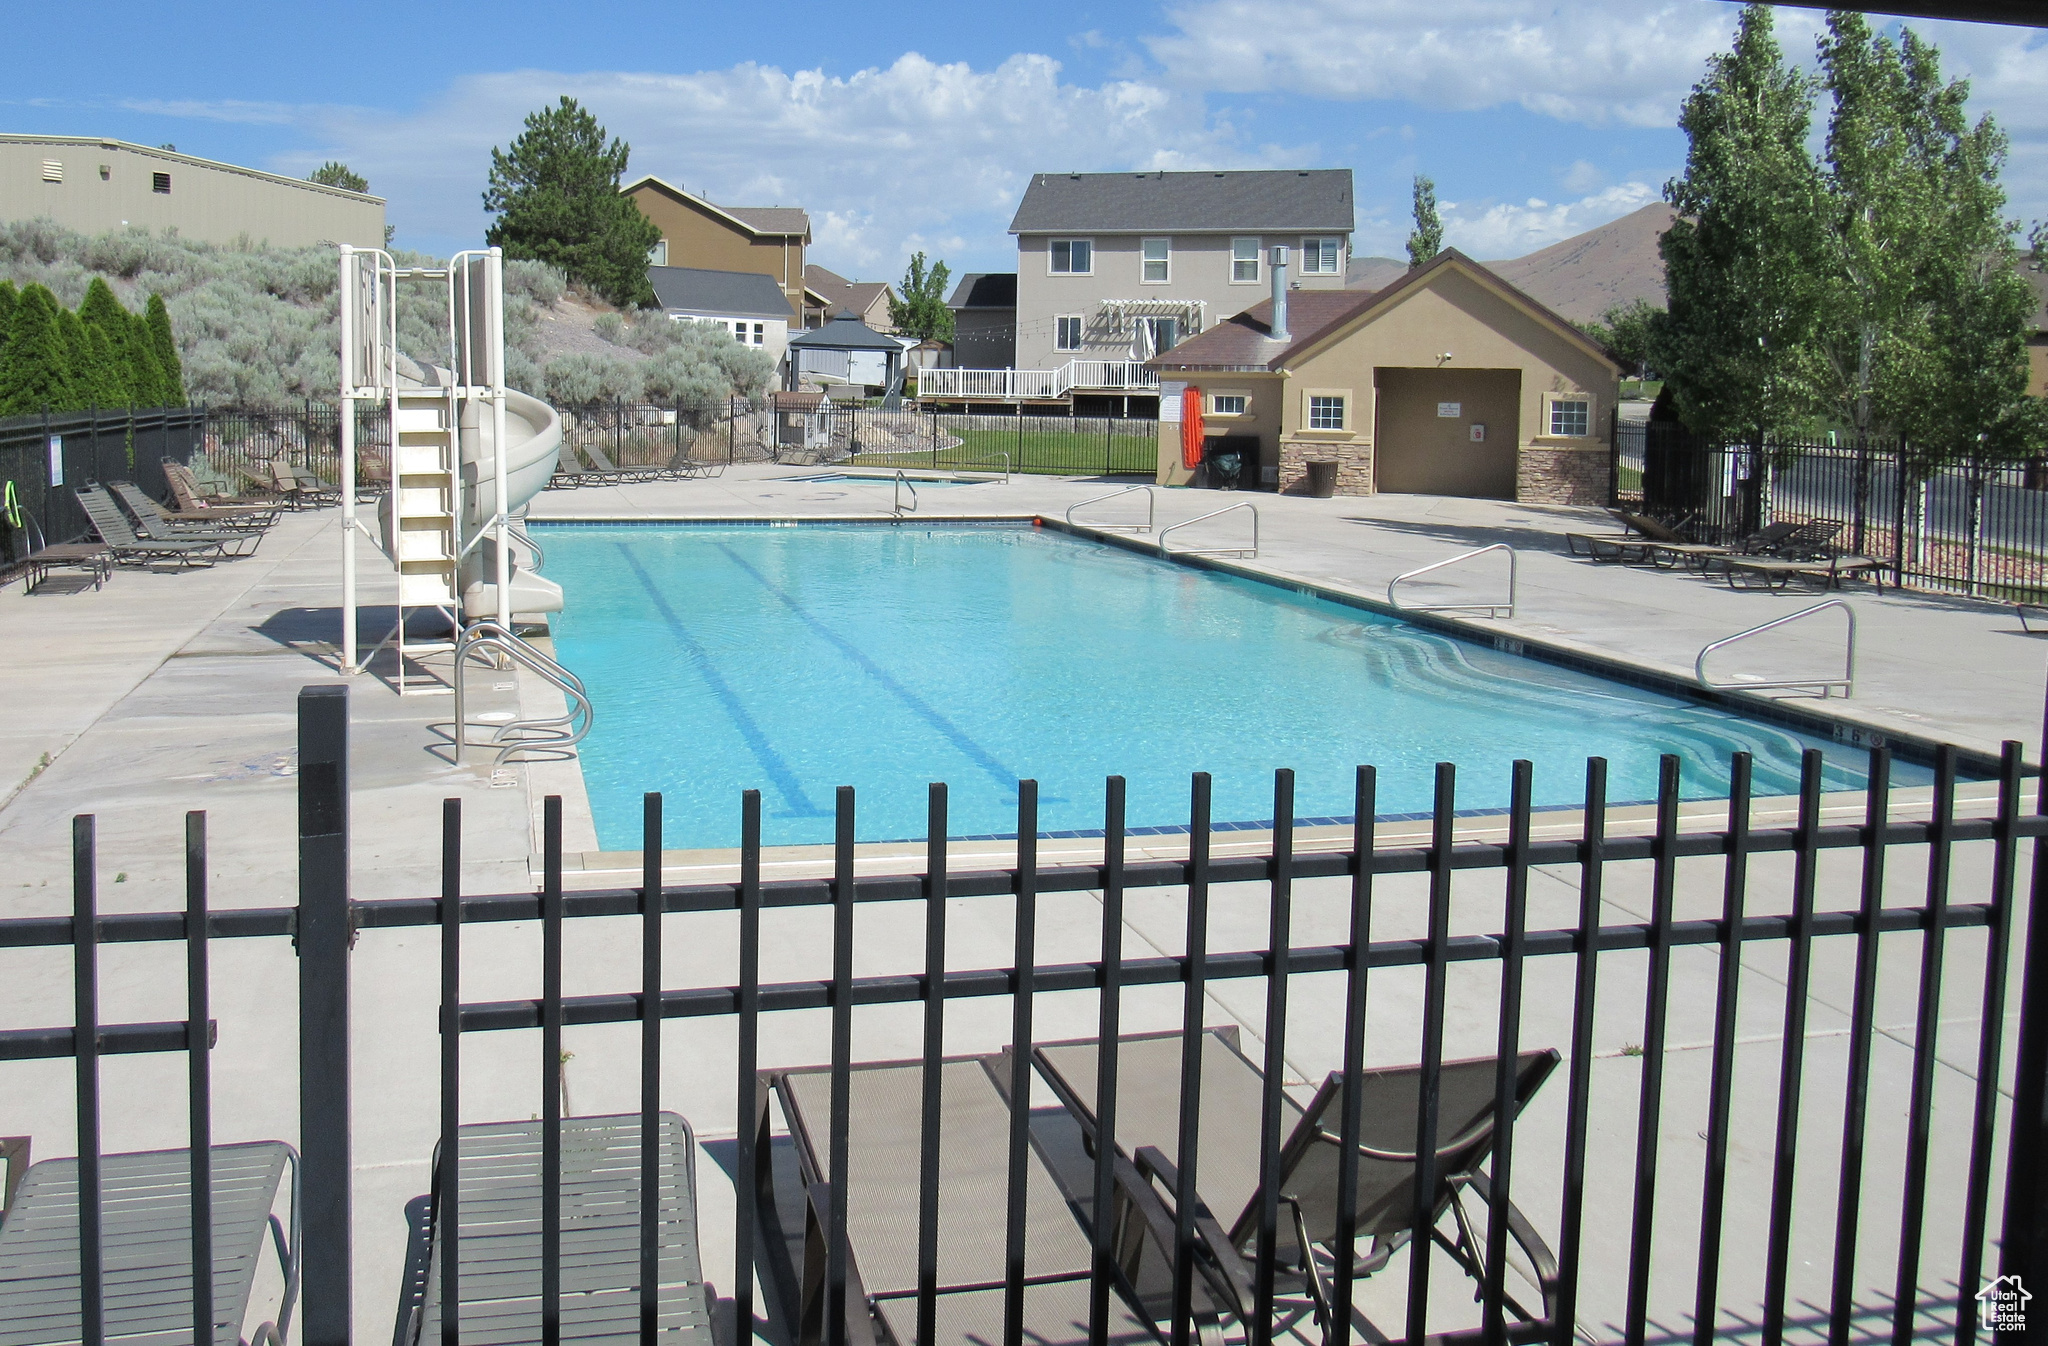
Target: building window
{"x":1157,"y":335}
{"x":1073,"y":257}
{"x":760,"y":333}
{"x":1244,"y":261}
{"x":1228,"y":404}
{"x":1158,"y":254}
{"x":160,"y":182}
{"x":658,"y":254}
{"x":1571,"y":417}
{"x":1322,"y":256}
{"x":1325,"y":413}
{"x":1067,"y":333}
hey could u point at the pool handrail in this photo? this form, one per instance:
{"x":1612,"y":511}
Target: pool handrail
{"x":1492,"y":610}
{"x":550,"y":731}
{"x":1251,"y":551}
{"x":1151,"y":509}
{"x":1847,"y":682}
{"x":902,"y":484}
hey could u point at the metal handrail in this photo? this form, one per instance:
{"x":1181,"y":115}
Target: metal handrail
{"x":1151,"y":509}
{"x":896,"y":495}
{"x":1506,"y":609}
{"x":558,"y":731}
{"x":1847,"y":682}
{"x":1252,"y":550}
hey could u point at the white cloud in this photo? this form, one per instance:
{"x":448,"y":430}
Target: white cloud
{"x":1509,"y":230}
{"x":218,"y":110}
{"x":1599,"y":62}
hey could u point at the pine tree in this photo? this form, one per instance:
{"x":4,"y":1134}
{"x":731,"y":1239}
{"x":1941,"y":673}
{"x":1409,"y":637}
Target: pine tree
{"x":556,"y":195}
{"x":33,"y":372}
{"x":336,"y":174}
{"x":170,"y":373}
{"x":1428,"y":238}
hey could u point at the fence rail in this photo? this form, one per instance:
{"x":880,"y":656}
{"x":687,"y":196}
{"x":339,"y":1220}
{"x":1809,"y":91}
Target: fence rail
{"x":43,"y":457}
{"x":1971,"y":526}
{"x":1898,"y":1217}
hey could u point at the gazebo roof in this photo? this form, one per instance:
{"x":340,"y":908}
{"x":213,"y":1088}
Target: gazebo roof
{"x":846,"y":333}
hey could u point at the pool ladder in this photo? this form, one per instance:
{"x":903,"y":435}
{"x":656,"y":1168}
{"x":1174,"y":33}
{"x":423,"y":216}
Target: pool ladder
{"x":552,"y":731}
{"x":1252,"y":550}
{"x":1506,"y":609}
{"x":1847,"y":682}
{"x":896,"y":502}
{"x":1151,"y":509}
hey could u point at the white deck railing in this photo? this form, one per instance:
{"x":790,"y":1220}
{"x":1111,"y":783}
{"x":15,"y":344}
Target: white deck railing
{"x":1014,"y":385}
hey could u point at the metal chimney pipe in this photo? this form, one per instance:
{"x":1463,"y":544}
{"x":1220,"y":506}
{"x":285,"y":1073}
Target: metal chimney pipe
{"x":1279,"y":268}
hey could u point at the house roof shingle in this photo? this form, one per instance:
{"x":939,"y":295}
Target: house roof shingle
{"x":733,"y":294}
{"x":846,"y":333}
{"x":789,"y":220}
{"x":985,"y":289}
{"x":840,"y":293}
{"x":1263,"y":200}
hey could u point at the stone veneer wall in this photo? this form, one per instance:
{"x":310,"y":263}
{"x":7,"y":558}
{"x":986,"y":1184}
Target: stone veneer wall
{"x":1560,"y":476}
{"x":1353,"y":458}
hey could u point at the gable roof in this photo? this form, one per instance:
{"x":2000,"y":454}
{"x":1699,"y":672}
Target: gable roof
{"x":1129,"y":203}
{"x":846,"y":333}
{"x":760,"y":221}
{"x":1245,"y":342}
{"x":838,"y":292}
{"x":985,"y":289}
{"x":736,"y":294}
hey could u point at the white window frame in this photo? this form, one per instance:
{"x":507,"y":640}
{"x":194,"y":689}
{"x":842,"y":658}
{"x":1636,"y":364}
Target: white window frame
{"x":760,"y":333}
{"x":1053,"y":244}
{"x":1243,"y":400}
{"x":1059,"y":333}
{"x":1309,"y":398}
{"x":658,"y":254}
{"x":1165,"y":261}
{"x":1551,"y":402}
{"x":1256,"y":261}
{"x":1335,"y":248}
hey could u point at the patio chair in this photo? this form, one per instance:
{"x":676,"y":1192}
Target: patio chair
{"x":156,"y":526}
{"x":499,"y":1248}
{"x":1633,"y":545}
{"x":881,"y":1190}
{"x":301,"y":487}
{"x":94,"y":558}
{"x":604,"y":472}
{"x":2029,"y":613}
{"x":126,"y":547}
{"x":146,"y":1247}
{"x":193,"y":504}
{"x":1703,"y":557}
{"x":1148,"y":1111}
{"x":1775,"y":572}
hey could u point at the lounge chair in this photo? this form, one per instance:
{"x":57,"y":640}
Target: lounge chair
{"x":301,"y":487}
{"x":882,"y":1213}
{"x":156,"y":526}
{"x":2029,"y":613}
{"x":1147,"y":1133}
{"x":146,"y":1246}
{"x":1633,"y":545}
{"x":94,"y":558}
{"x":1775,"y":572}
{"x":499,"y":1245}
{"x":604,"y":472}
{"x":193,"y":503}
{"x":125,"y":546}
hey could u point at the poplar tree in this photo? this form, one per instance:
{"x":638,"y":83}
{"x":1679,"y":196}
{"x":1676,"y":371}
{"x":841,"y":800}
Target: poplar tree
{"x":1427,"y":239}
{"x":33,"y":374}
{"x":170,"y":372}
{"x":556,"y":195}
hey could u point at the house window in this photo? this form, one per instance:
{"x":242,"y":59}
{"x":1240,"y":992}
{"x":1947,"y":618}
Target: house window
{"x":1244,"y":261}
{"x":658,"y":254}
{"x":1322,"y":256}
{"x":1325,"y":413}
{"x":1158,"y":253}
{"x":160,"y":182}
{"x":1228,"y":404}
{"x":1570,"y":417}
{"x":1156,"y":335}
{"x":1067,"y":333}
{"x":1073,"y":257}
{"x":760,"y":333}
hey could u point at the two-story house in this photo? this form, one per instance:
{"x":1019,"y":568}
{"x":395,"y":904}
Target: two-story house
{"x":766,"y":240}
{"x":1121,"y":266}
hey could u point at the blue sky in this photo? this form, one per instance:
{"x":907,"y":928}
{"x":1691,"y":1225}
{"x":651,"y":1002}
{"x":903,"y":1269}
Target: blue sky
{"x":1537,"y":120}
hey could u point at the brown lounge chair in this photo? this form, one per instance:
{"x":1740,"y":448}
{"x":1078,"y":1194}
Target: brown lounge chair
{"x":2029,"y":613}
{"x":194,"y":503}
{"x":92,"y":557}
{"x":1775,"y":572}
{"x":157,"y":526}
{"x":123,"y":546}
{"x":1632,"y":546}
{"x":301,"y":487}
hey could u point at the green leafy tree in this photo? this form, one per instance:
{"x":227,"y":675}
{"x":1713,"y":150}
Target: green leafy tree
{"x":164,"y":345}
{"x":920,"y":310}
{"x":35,"y":370}
{"x":1627,"y":331}
{"x":1744,"y":262}
{"x":1427,"y":240}
{"x":336,"y":174}
{"x":556,"y":196}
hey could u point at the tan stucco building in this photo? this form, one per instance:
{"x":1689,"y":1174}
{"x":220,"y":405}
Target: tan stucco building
{"x":1448,"y":382}
{"x":94,"y":186}
{"x":766,"y":240}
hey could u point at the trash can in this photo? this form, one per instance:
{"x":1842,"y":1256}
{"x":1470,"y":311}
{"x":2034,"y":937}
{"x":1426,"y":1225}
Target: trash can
{"x":1224,"y":467}
{"x":1322,"y":478}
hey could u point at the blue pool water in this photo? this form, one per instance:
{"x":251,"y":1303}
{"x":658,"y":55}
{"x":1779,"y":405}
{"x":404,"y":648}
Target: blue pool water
{"x":795,"y":659}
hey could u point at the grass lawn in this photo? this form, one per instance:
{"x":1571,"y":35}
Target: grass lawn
{"x":1038,"y":449}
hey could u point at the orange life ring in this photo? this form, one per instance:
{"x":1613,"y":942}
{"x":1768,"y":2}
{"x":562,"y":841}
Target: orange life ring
{"x":1191,"y":427}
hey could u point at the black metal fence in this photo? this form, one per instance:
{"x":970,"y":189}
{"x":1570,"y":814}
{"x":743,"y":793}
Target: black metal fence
{"x":914,"y":436}
{"x":1438,"y":932}
{"x":1975,"y":526}
{"x":242,"y":442}
{"x":643,"y":434}
{"x":41,"y":457}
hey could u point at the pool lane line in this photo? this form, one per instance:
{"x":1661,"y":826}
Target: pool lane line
{"x":952,"y":733}
{"x":795,"y":802}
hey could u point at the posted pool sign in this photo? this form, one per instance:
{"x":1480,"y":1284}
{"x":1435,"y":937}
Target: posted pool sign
{"x":2002,"y":1305}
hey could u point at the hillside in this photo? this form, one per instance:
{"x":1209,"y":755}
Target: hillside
{"x":1582,"y":276}
{"x":1373,"y":273}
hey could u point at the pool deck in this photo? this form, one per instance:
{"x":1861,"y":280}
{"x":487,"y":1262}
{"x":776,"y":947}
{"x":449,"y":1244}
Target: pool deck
{"x":168,"y":692}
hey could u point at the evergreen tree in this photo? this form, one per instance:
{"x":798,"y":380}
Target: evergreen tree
{"x":116,"y":382}
{"x":145,"y":371}
{"x":81,"y":379}
{"x":1428,"y":238}
{"x":170,"y":373}
{"x":106,"y":381}
{"x":8,"y":298}
{"x":1744,"y":261}
{"x":33,"y":373}
{"x":556,"y":195}
{"x":336,"y":174}
{"x":921,"y":310}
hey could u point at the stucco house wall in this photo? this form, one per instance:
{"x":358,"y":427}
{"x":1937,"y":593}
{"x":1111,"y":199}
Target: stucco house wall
{"x":699,"y":234}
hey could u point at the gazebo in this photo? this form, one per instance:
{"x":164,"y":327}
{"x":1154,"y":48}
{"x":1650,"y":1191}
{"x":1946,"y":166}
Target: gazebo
{"x":845,"y":352}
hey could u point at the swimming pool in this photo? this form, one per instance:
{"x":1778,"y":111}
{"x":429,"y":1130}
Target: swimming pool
{"x":796,"y":659}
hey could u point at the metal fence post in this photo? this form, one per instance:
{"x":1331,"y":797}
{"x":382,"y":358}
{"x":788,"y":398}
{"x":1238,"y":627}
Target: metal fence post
{"x":324,"y":936}
{"x":2023,"y":1245}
